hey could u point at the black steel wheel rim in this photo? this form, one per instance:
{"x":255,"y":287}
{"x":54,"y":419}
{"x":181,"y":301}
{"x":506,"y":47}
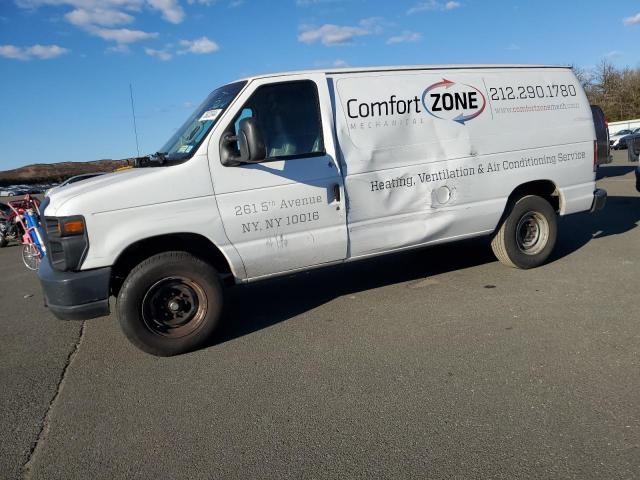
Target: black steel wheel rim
{"x":174,"y":307}
{"x":532,"y":233}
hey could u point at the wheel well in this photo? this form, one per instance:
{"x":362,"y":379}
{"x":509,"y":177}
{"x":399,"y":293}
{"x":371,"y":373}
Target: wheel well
{"x":193,"y":243}
{"x":542,"y":188}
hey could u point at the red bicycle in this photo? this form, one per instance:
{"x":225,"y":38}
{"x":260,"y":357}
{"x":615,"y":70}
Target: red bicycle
{"x":24,"y":222}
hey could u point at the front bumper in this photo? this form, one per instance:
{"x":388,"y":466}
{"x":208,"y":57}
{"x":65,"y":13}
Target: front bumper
{"x":638,"y":179}
{"x":75,"y":295}
{"x":599,"y":200}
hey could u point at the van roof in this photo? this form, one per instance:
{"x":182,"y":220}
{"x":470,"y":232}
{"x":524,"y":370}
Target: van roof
{"x":402,"y":68}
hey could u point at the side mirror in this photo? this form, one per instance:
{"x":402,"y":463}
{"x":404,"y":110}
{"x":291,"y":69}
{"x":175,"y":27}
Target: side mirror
{"x":250,"y":144}
{"x":251,"y":141}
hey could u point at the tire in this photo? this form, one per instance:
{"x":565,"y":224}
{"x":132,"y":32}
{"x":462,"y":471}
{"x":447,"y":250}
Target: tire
{"x":171,"y":303}
{"x":30,"y":256}
{"x":3,"y":241}
{"x":527,"y":235}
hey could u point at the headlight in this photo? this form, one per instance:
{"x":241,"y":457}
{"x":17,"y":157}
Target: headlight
{"x":67,"y":242}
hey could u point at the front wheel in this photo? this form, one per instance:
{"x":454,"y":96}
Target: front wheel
{"x":30,"y":256}
{"x":3,"y":240}
{"x":527,"y":235}
{"x":171,"y":303}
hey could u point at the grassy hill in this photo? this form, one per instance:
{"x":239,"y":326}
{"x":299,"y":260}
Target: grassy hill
{"x":56,"y":172}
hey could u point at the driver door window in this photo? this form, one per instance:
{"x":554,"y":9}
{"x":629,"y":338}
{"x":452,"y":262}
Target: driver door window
{"x":288,"y":115}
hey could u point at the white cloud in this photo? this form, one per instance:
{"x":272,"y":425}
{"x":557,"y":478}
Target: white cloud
{"x":329,"y":34}
{"x":43,"y":52}
{"x":374,"y":24}
{"x":95,"y":16}
{"x":340,"y":63}
{"x":307,"y":3}
{"x":163,"y":55}
{"x":634,"y":20}
{"x":121,"y":35}
{"x":101,"y":18}
{"x":433,"y":5}
{"x":406,"y":37}
{"x":170,"y":9}
{"x":121,"y":48}
{"x":46,"y":52}
{"x":513,"y":47}
{"x":106,"y":18}
{"x":332,"y":35}
{"x":199,"y":46}
{"x":208,"y":3}
{"x":13,"y":52}
{"x":424,"y":6}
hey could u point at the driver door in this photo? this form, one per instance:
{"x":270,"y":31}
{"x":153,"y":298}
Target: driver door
{"x":287,"y":212}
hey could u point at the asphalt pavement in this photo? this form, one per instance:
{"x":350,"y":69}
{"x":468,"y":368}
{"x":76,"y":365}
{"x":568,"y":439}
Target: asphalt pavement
{"x":439,"y":363}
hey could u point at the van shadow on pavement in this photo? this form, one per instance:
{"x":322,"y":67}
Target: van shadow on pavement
{"x":614,"y":171}
{"x":260,"y":305}
{"x":619,"y":215}
{"x":253,"y":307}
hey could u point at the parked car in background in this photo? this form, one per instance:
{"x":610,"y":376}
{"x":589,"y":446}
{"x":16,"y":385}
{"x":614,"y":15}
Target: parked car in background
{"x":69,"y":181}
{"x":623,"y":142}
{"x":614,"y":139}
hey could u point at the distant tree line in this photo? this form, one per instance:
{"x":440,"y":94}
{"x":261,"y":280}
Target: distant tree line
{"x":615,"y":90}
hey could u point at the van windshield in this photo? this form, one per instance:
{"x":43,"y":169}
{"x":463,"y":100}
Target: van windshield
{"x":190,"y":135}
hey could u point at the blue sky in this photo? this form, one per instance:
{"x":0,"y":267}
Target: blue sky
{"x":66,"y":65}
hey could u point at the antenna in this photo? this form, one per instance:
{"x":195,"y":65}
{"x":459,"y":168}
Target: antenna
{"x":133,"y":113}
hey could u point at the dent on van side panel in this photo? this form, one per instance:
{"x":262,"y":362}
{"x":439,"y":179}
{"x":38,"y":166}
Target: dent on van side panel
{"x":434,"y":155}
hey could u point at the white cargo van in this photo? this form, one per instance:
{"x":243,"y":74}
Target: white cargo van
{"x":280,"y":173}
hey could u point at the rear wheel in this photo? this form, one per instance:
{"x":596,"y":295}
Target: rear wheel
{"x":527,"y":234}
{"x":170,"y":303}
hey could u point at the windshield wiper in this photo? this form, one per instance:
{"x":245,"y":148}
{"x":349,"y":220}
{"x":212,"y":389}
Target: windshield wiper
{"x":157,"y":159}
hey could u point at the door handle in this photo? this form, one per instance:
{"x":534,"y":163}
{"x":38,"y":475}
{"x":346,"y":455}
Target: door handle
{"x":336,"y":192}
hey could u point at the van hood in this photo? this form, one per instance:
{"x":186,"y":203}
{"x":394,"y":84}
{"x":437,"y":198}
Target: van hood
{"x":61,"y":195}
{"x":133,"y":188}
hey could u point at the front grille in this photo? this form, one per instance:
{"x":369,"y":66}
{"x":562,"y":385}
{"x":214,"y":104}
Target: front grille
{"x":65,"y":253}
{"x":51,"y":226}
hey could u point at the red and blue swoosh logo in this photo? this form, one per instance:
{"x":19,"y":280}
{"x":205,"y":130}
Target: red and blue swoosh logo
{"x":458,"y":94}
